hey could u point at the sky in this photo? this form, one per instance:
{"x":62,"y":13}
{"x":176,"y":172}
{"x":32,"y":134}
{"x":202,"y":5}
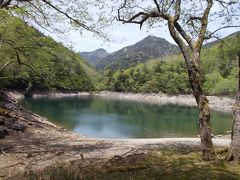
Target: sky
{"x":122,"y":36}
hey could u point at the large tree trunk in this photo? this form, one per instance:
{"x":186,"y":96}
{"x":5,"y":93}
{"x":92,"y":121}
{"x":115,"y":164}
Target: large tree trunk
{"x":234,"y":150}
{"x":192,"y":59}
{"x":204,"y":113}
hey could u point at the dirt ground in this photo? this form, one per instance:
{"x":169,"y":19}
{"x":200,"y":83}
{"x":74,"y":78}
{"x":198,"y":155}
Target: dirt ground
{"x":42,"y":144}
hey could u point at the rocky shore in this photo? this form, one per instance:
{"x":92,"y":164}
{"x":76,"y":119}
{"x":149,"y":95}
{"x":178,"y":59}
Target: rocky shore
{"x":223,"y":104}
{"x":30,"y":143}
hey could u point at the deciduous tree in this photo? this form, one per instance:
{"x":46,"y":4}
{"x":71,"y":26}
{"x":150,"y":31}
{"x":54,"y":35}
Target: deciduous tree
{"x":234,"y":150}
{"x":187,"y":22}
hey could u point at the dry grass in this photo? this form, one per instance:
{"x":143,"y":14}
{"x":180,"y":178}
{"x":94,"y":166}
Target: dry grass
{"x":153,"y":165}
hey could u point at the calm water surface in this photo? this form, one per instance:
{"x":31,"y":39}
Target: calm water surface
{"x":100,"y":117}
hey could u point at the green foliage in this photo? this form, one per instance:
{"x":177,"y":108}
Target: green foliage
{"x":169,"y":74}
{"x":42,"y":61}
{"x":163,"y":77}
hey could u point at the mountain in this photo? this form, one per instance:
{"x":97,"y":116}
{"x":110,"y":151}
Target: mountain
{"x":169,"y":74}
{"x":148,"y":48}
{"x":95,"y":56}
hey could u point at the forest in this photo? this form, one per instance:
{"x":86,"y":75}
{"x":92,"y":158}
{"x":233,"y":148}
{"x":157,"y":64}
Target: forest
{"x":41,"y":62}
{"x":44,"y":68}
{"x":63,"y":118}
{"x":169,"y":74}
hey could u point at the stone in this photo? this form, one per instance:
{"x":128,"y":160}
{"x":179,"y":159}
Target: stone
{"x":18,"y":127}
{"x":3,"y":132}
{"x":8,"y":122}
{"x":1,"y":121}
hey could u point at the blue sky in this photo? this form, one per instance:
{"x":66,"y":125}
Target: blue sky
{"x":122,"y":36}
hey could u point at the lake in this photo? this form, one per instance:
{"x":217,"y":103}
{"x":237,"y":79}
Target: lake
{"x":94,"y":116}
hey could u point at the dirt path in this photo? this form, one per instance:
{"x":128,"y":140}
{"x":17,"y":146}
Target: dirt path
{"x":43,"y":144}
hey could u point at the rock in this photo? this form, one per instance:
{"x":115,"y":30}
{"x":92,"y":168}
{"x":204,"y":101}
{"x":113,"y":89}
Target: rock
{"x":212,"y":135}
{"x":9,"y":122}
{"x":18,"y":127}
{"x":1,"y":121}
{"x":28,"y":94}
{"x":3,"y":132}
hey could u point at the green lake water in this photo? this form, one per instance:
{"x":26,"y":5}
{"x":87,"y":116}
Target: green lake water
{"x":107,"y":118}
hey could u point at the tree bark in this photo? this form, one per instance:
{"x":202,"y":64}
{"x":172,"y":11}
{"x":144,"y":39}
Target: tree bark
{"x":204,"y":113}
{"x":192,"y":59}
{"x":234,"y":150}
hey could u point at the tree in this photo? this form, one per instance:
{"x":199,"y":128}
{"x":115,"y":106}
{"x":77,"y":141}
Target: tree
{"x":234,"y":150}
{"x":47,"y":15}
{"x":29,"y":57}
{"x":187,"y":22}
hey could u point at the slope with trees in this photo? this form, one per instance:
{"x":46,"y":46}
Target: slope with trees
{"x":187,"y":22}
{"x":147,"y":48}
{"x":169,"y":74}
{"x":28,"y":58}
{"x":188,"y":26}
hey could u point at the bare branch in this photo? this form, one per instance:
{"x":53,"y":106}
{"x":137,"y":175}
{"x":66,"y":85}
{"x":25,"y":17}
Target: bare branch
{"x":6,"y":65}
{"x":158,"y":7}
{"x":184,"y":34}
{"x":192,"y":18}
{"x":69,"y":17}
{"x":10,"y":77}
{"x":178,"y":40}
{"x":204,"y":23}
{"x":209,"y":36}
{"x":177,"y":10}
{"x":41,"y":12}
{"x":224,"y":3}
{"x":141,"y":17}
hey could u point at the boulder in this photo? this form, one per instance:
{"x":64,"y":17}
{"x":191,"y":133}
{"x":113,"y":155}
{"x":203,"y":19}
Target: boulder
{"x":3,"y":132}
{"x":1,"y":121}
{"x":18,"y":127}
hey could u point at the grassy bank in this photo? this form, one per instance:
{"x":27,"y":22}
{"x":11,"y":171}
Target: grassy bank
{"x":152,"y":165}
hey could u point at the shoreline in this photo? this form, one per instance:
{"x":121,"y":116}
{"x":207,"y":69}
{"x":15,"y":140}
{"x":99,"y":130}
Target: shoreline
{"x":222,"y":104}
{"x":43,"y":144}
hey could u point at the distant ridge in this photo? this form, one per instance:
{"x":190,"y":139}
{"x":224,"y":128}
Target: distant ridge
{"x":94,"y":57}
{"x":148,"y":48}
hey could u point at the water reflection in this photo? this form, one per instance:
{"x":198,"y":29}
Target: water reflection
{"x":99,"y":117}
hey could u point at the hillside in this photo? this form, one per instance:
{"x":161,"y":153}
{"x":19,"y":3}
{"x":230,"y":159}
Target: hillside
{"x":148,"y":48}
{"x":94,"y":57}
{"x":36,"y":60}
{"x":169,"y":74}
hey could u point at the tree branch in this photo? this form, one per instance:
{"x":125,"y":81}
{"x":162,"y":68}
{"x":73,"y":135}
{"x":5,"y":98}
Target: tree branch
{"x":178,"y":40}
{"x":157,"y":5}
{"x":203,"y":28}
{"x":177,"y":10}
{"x":6,"y":64}
{"x":141,"y":17}
{"x":69,"y":17}
{"x":209,"y":36}
{"x":184,"y":35}
{"x":192,"y":18}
